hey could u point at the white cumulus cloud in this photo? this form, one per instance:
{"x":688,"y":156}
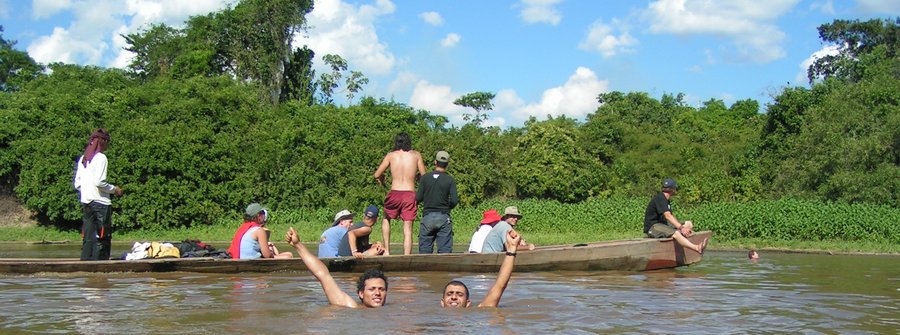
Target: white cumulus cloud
{"x":93,"y":34}
{"x":576,"y":98}
{"x":432,"y":18}
{"x":438,"y":99}
{"x":340,"y":28}
{"x":540,"y":11}
{"x":748,"y":24}
{"x":61,"y":46}
{"x":600,"y":38}
{"x":451,"y":40}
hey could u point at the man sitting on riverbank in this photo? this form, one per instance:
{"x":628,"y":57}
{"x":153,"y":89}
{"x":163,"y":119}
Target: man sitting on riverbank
{"x":356,"y":241}
{"x":371,"y":287}
{"x":659,"y":222}
{"x":495,"y":241}
{"x":456,"y":293}
{"x":488,"y":220}
{"x":330,"y":241}
{"x":251,"y":240}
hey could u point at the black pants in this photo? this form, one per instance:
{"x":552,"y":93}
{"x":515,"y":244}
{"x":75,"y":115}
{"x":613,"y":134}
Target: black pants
{"x":96,"y":231}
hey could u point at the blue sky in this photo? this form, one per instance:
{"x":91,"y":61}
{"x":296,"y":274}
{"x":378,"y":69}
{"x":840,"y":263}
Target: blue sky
{"x":541,"y":57}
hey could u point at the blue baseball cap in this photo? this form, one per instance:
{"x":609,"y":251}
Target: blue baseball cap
{"x":371,"y":212}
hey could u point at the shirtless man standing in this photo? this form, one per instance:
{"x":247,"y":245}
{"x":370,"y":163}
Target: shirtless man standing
{"x":406,"y":167}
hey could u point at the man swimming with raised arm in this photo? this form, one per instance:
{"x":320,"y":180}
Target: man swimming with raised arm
{"x":371,"y":287}
{"x":456,"y":294}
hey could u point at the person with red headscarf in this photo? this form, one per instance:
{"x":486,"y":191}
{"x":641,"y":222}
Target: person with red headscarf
{"x":95,"y":191}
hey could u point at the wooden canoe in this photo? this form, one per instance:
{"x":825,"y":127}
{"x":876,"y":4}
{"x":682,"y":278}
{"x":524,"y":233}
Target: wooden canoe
{"x":621,"y":255}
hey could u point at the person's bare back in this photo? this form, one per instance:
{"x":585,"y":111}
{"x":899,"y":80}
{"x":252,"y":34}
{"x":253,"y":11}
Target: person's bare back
{"x":405,"y":166}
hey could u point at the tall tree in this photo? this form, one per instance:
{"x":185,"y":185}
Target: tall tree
{"x":328,"y":83}
{"x":854,"y":40}
{"x":299,"y":77}
{"x":251,"y":42}
{"x":479,"y":101}
{"x":16,"y":67}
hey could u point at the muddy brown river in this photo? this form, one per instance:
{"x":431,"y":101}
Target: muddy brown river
{"x":725,"y":293}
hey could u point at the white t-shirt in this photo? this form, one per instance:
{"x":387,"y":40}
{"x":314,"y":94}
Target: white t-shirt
{"x":478,"y":238}
{"x":90,"y":181}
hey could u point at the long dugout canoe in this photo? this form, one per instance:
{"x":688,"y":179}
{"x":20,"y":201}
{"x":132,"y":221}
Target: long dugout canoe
{"x":620,"y":255}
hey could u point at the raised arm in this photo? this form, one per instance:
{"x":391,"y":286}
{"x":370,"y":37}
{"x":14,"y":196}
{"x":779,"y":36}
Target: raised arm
{"x":509,"y":261}
{"x":318,"y":269}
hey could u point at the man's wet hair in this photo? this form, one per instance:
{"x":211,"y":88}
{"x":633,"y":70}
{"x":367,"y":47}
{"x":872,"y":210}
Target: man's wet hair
{"x":458,"y":283}
{"x":402,"y":142}
{"x":442,"y":165}
{"x":370,"y":274}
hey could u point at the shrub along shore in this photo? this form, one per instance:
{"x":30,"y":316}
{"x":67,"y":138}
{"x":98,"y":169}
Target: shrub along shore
{"x":776,"y":224}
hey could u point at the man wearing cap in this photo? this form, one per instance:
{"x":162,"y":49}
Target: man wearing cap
{"x":252,"y":235}
{"x":495,"y":241}
{"x":437,"y":193}
{"x":489,"y":219}
{"x":659,"y":222}
{"x":406,"y":167}
{"x":330,"y":241}
{"x":356,"y":241}
{"x":456,"y":293}
{"x":95,"y":196}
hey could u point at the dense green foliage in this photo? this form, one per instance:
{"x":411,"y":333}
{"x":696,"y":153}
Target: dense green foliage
{"x":193,"y":142}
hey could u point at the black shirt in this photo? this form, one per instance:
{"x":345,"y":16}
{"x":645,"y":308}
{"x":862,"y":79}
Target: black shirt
{"x":658,"y":206}
{"x":362,"y":242}
{"x":437,"y":192}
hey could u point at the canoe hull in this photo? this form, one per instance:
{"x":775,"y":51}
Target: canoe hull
{"x":622,"y":255}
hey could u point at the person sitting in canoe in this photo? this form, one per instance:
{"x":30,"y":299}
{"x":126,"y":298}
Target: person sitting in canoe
{"x":495,"y":241}
{"x":371,"y":287}
{"x":659,"y":222}
{"x":252,"y":234}
{"x":488,"y":220}
{"x":356,"y":241}
{"x":456,"y":293}
{"x":330,"y":241}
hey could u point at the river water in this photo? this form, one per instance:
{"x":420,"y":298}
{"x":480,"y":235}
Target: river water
{"x":724,"y":294}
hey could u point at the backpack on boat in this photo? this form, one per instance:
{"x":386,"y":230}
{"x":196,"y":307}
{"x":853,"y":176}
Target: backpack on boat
{"x":194,"y":248}
{"x":162,"y":250}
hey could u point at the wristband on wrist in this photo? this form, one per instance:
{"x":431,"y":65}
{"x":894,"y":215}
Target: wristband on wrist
{"x":511,"y":254}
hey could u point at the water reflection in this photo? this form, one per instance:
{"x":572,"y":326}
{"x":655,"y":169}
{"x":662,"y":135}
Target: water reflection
{"x":723,"y":294}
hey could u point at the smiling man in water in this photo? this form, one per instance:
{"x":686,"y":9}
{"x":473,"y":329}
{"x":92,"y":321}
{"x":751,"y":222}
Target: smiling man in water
{"x":371,"y":287}
{"x":456,"y":294}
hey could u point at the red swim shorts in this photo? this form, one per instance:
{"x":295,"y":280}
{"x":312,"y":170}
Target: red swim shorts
{"x":402,"y":204}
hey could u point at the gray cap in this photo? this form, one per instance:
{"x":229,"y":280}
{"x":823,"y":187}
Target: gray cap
{"x":512,"y":211}
{"x":442,"y":156}
{"x":670,"y":183}
{"x":253,"y":209}
{"x":341,"y":215}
